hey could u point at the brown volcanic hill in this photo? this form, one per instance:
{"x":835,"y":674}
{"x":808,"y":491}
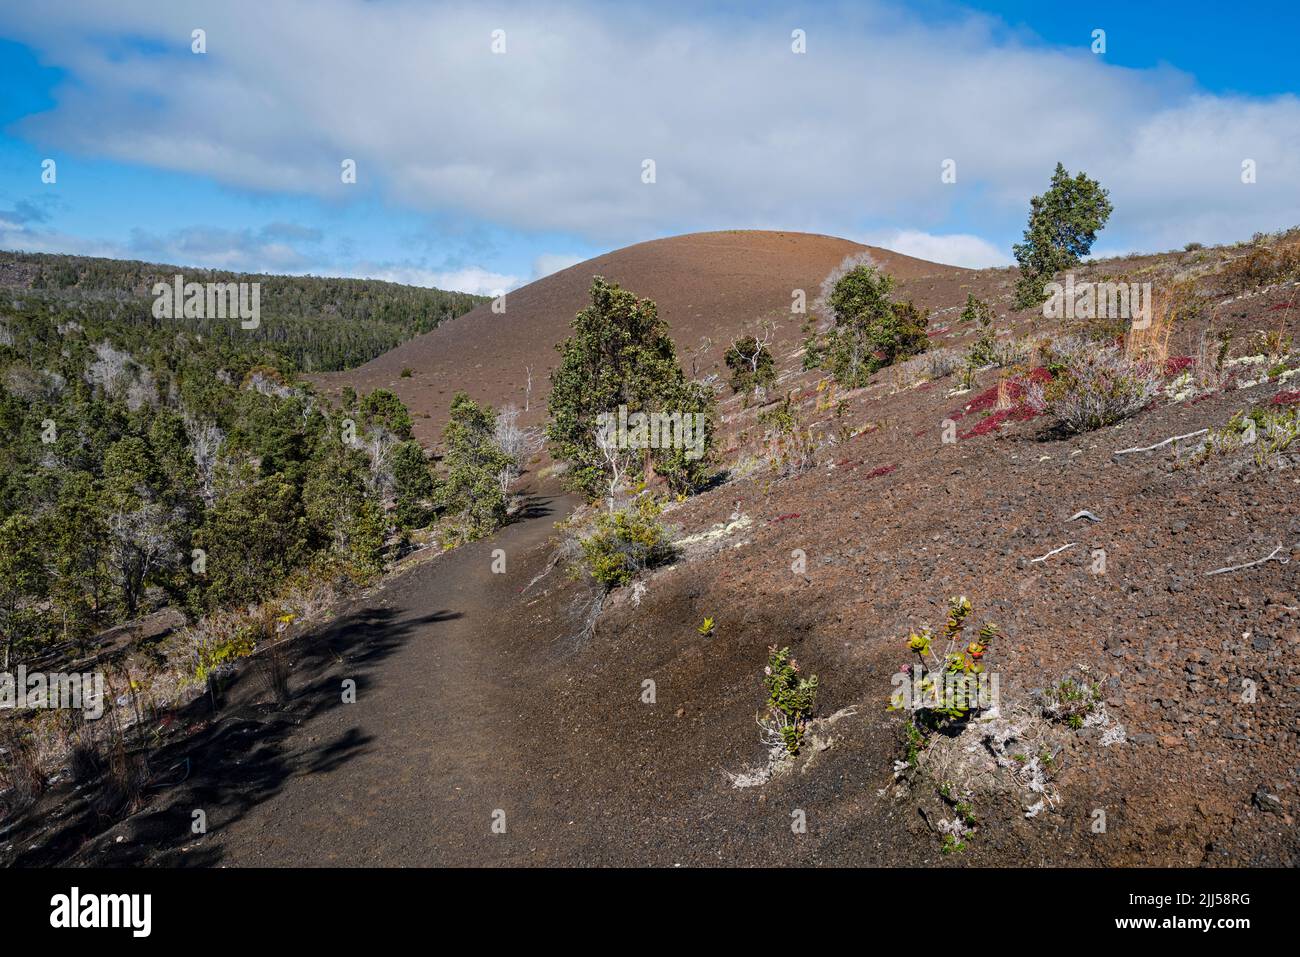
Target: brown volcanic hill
{"x":715,"y":284}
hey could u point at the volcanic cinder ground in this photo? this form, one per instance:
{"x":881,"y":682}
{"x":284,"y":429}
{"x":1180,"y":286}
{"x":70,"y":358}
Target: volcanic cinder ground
{"x":483,"y":699}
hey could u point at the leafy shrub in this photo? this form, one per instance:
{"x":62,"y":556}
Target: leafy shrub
{"x":948,"y":682}
{"x":1096,"y":388}
{"x":870,"y":331}
{"x":620,"y":354}
{"x":625,"y":542}
{"x":790,"y":698}
{"x":474,"y":460}
{"x":384,"y":409}
{"x":212,"y":655}
{"x":977,"y":310}
{"x":413,"y":485}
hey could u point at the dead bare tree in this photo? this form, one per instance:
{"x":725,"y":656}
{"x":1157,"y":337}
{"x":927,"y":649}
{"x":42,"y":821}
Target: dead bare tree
{"x":618,"y":461}
{"x":699,"y":352}
{"x":751,"y":350}
{"x":142,"y":540}
{"x":518,"y":443}
{"x":205,"y":440}
{"x":379,"y":446}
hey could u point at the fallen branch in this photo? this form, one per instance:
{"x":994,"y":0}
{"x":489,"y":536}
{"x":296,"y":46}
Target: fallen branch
{"x":1159,"y":445}
{"x":1052,"y":552}
{"x":1270,"y":557}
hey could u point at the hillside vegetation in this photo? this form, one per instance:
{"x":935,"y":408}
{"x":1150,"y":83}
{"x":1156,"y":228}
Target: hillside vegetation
{"x":317,"y":324}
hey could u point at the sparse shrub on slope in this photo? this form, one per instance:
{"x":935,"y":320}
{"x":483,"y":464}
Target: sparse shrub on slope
{"x":942,"y":362}
{"x":789,"y":443}
{"x":1270,"y":432}
{"x":1070,"y":701}
{"x":983,"y":351}
{"x":870,"y":330}
{"x":790,"y":699}
{"x":1260,"y":267}
{"x":1096,"y":388}
{"x":625,"y":542}
{"x":977,"y":310}
{"x":945,"y":686}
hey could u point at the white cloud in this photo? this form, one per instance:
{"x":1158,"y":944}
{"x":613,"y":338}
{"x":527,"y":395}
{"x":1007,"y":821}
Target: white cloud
{"x":551,"y":135}
{"x":21,"y":237}
{"x":954,"y":249}
{"x":549,"y":263}
{"x":472,"y":279}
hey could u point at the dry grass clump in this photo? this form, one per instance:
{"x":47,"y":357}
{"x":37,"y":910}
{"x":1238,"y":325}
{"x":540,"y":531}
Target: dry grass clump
{"x":1261,"y":266}
{"x":1151,"y":343}
{"x":941,"y":362}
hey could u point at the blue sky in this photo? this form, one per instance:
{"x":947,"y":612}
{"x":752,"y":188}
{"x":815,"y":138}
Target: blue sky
{"x":482,"y":170}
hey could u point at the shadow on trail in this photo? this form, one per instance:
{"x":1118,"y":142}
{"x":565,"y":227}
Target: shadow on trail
{"x":223,"y":756}
{"x":535,"y":506}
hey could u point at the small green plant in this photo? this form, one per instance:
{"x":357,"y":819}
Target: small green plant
{"x":966,"y":811}
{"x":706,"y":629}
{"x":211,"y":655}
{"x":1271,"y":430}
{"x":948,"y":682}
{"x":407,"y":372}
{"x":1070,"y":701}
{"x":625,"y":542}
{"x":958,"y":828}
{"x":914,"y":742}
{"x":790,"y":698}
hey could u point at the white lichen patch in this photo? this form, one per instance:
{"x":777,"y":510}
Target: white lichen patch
{"x":713,"y":535}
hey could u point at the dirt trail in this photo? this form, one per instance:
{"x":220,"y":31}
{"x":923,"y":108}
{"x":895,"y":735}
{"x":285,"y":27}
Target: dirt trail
{"x":438,"y":750}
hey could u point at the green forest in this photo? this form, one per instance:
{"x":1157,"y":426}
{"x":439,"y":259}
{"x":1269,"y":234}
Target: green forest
{"x":184,"y":462}
{"x":317,"y":324}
